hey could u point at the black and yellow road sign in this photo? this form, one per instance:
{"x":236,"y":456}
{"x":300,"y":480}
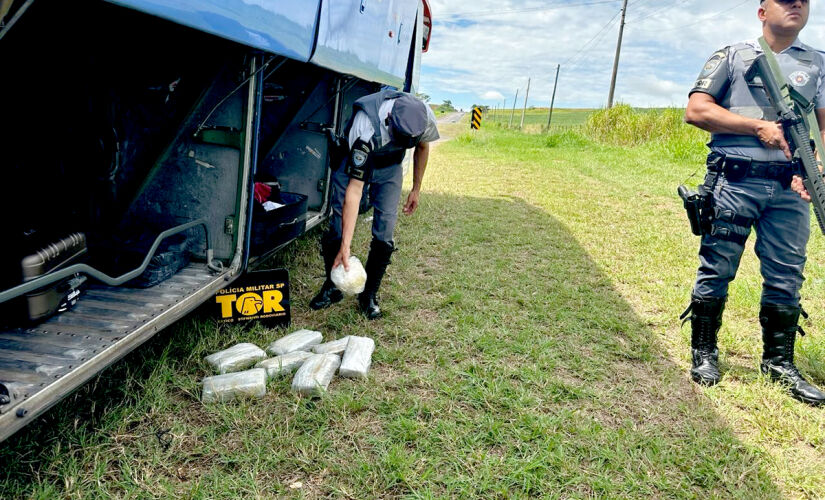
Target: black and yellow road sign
{"x":261,"y":295}
{"x":475,"y":121}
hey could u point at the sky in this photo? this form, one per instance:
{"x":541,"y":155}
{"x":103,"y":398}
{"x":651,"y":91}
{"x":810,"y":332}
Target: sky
{"x":481,"y":51}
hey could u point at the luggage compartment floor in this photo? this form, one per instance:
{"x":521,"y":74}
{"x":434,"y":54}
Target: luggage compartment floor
{"x":61,"y":353}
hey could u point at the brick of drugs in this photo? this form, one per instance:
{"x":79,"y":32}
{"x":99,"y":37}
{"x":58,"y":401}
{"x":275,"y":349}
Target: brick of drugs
{"x":302,"y":340}
{"x":237,"y":357}
{"x":332,"y":347}
{"x":314,"y":376}
{"x":284,"y":364}
{"x":222,"y":388}
{"x":357,"y":357}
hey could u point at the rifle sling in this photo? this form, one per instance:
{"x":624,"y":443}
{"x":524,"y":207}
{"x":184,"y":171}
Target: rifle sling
{"x":807,"y":109}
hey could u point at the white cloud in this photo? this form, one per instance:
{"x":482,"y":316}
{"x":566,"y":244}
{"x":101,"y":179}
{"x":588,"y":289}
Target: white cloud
{"x":661,"y":54}
{"x":492,"y":95}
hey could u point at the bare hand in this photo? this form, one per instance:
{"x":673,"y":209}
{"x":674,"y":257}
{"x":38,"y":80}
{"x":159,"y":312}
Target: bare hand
{"x":772,"y":136}
{"x":798,"y":187}
{"x":412,"y":203}
{"x":342,"y":258}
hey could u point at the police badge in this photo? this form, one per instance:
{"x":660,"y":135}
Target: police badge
{"x":799,"y":78}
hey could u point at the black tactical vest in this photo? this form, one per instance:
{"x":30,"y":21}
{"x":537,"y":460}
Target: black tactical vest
{"x":800,"y":64}
{"x":389,"y":154}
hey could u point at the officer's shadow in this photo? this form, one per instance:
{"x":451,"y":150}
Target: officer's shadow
{"x":530,"y":310}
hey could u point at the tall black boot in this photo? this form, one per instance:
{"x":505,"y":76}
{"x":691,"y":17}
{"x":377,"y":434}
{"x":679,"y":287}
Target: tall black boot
{"x":377,"y":262}
{"x":705,"y":321}
{"x":329,"y":294}
{"x":779,"y":327}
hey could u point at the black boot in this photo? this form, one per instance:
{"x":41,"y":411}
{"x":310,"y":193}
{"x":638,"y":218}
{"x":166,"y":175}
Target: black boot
{"x":779,"y":327}
{"x":329,"y":294}
{"x":377,"y":262}
{"x":705,"y":321}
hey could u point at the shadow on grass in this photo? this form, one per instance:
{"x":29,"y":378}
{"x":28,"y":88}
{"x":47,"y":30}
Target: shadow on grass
{"x":507,"y":365}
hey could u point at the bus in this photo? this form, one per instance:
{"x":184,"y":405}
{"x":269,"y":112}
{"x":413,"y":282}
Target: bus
{"x":135,"y":135}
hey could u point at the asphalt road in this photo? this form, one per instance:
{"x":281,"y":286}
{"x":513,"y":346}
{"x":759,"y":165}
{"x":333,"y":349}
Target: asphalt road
{"x":453,"y":117}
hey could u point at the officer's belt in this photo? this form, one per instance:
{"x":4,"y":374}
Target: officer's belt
{"x":738,"y":167}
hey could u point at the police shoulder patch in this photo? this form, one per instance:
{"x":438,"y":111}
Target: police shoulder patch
{"x":359,"y":158}
{"x":714,"y":62}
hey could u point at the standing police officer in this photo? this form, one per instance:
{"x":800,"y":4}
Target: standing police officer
{"x":384,"y":126}
{"x":754,"y":184}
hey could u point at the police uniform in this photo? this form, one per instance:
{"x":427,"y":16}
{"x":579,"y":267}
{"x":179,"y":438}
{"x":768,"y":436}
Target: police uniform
{"x":383,"y":127}
{"x":751,"y":189}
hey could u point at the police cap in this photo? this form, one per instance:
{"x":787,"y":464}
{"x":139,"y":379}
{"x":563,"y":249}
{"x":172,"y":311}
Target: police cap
{"x":408,"y":121}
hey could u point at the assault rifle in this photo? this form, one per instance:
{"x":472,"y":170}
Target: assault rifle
{"x":792,"y":117}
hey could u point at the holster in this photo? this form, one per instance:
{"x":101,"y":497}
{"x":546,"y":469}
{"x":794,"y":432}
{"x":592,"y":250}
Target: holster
{"x":699,"y":204}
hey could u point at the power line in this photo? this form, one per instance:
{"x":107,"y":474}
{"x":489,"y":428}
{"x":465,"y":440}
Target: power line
{"x":657,"y":11}
{"x":480,"y":13}
{"x":585,"y":46}
{"x":699,"y":21}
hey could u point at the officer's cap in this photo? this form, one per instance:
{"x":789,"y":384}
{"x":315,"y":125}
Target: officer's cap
{"x":408,"y":120}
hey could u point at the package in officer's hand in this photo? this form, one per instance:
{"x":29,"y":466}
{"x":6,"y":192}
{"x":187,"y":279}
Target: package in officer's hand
{"x":350,"y":282}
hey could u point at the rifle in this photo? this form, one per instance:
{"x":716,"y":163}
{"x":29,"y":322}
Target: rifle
{"x":797,"y":130}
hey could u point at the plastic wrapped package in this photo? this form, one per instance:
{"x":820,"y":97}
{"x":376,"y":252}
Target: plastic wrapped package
{"x":222,"y":388}
{"x":302,"y":340}
{"x":350,"y":282}
{"x":285,"y":364}
{"x":314,"y":376}
{"x":357,"y":357}
{"x":332,"y":347}
{"x":237,"y":357}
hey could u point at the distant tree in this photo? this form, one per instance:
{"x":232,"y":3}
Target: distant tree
{"x":446,"y":106}
{"x":422,"y":96}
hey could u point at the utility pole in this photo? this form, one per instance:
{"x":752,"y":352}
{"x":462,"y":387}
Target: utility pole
{"x":553,"y":99}
{"x":514,"y":110}
{"x":526,"y":95}
{"x":616,"y":60}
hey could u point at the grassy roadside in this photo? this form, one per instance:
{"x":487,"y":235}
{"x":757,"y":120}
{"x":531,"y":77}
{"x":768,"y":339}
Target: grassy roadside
{"x":531,"y":349}
{"x":537,"y":117}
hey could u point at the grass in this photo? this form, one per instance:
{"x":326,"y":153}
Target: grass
{"x":537,"y":117}
{"x":531,"y":348}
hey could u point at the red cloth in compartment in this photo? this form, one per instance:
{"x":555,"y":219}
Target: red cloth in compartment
{"x":262,"y":192}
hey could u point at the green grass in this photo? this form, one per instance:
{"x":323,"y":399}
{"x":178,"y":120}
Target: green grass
{"x":531,"y":348}
{"x":537,"y":117}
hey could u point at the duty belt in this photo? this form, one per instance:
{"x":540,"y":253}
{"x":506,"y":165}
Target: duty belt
{"x":737,"y":168}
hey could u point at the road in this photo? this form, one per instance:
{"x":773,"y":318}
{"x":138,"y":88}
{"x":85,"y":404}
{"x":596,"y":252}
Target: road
{"x":453,"y":117}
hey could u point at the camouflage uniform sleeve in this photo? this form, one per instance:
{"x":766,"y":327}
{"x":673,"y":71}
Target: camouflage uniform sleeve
{"x":714,"y":79}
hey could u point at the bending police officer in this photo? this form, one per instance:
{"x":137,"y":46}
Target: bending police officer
{"x":383,"y":127}
{"x":754,"y":184}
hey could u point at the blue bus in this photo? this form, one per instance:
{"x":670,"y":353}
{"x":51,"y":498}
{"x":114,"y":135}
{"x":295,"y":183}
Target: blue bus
{"x":135,"y":136}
